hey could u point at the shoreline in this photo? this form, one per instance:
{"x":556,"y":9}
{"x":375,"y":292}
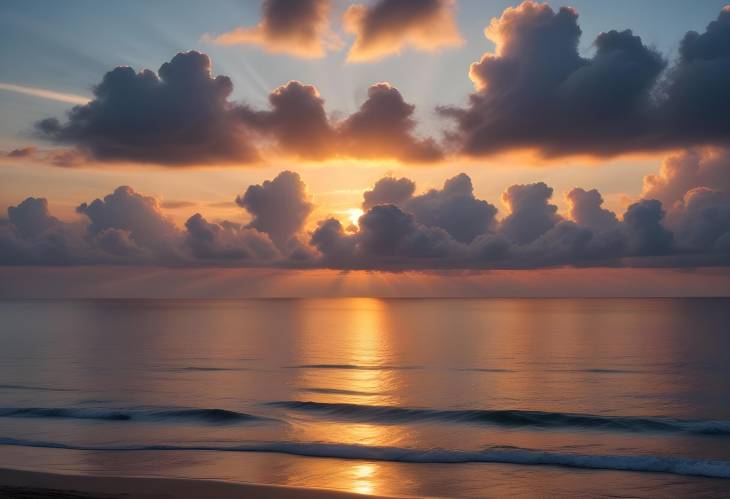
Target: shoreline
{"x":22,"y":484}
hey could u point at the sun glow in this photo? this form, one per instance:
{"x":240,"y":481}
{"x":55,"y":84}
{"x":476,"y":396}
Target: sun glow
{"x":354,"y":214}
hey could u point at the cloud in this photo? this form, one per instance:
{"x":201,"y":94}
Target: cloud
{"x":446,"y":228}
{"x":386,"y":237}
{"x":452,"y":208}
{"x":279,"y":207}
{"x":127,"y":220}
{"x":530,"y":213}
{"x":227,"y":241}
{"x":382,"y":128}
{"x":537,"y":92}
{"x":586,"y":210}
{"x":22,"y":152}
{"x":176,"y":204}
{"x":32,"y":236}
{"x":531,"y":235}
{"x":386,"y":27}
{"x":31,"y":217}
{"x":388,"y":190}
{"x":687,"y":170}
{"x":704,"y":222}
{"x":297,"y":121}
{"x":58,"y":157}
{"x":646,"y":234}
{"x":180,"y":115}
{"x":697,"y":102}
{"x":299,"y":28}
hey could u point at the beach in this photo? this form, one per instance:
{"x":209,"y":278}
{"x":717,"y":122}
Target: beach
{"x":18,"y":484}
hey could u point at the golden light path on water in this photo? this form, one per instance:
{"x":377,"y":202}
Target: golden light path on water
{"x":358,"y":336}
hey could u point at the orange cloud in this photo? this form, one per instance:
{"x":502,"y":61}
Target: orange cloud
{"x":298,"y":28}
{"x":388,"y":26}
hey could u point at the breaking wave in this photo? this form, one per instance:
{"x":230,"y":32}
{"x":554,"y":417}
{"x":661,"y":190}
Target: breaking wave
{"x":510,"y":418}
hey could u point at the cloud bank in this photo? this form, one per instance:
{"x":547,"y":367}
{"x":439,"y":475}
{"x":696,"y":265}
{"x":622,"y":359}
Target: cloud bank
{"x":182,"y":116}
{"x":683,"y":221}
{"x":534,"y":92}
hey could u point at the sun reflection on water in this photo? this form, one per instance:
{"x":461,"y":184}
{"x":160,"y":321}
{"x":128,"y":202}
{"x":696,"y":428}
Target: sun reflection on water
{"x":357,"y":341}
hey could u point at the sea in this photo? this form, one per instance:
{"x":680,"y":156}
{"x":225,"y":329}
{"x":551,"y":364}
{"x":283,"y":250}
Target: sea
{"x":419,"y":397}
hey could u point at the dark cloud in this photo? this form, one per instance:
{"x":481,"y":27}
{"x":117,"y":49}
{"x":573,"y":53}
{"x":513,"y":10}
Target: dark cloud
{"x":383,"y":128}
{"x":181,"y":115}
{"x":386,"y":237}
{"x":646,"y":234}
{"x":704,"y":221}
{"x":388,"y":190}
{"x":279,"y":207}
{"x":386,"y":27}
{"x":586,"y":210}
{"x":452,"y":208}
{"x":295,"y":27}
{"x":297,"y":121}
{"x":227,"y":241}
{"x":31,"y":218}
{"x":446,"y":228}
{"x":698,"y":102}
{"x":331,"y":240}
{"x":531,"y":235}
{"x":386,"y":231}
{"x":537,"y":92}
{"x":33,"y":236}
{"x":126,"y":215}
{"x":531,"y":215}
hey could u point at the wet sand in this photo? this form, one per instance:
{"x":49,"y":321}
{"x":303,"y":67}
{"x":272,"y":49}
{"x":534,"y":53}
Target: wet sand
{"x":16,"y":484}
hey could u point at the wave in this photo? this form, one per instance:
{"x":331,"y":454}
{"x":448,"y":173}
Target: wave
{"x":502,"y":455}
{"x":336,"y":391}
{"x":354,"y":367}
{"x":511,"y":418}
{"x":34,"y":388}
{"x":211,"y":416}
{"x":205,"y":368}
{"x":484,"y":369}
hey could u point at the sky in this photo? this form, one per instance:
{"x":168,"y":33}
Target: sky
{"x":336,"y":137}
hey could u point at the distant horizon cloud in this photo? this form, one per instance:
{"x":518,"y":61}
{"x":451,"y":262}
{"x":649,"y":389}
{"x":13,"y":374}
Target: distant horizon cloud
{"x":399,"y":229}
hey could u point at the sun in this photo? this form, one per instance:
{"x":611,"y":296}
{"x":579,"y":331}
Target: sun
{"x":354,"y":215}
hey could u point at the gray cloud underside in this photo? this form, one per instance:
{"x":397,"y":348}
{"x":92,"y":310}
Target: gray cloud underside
{"x":181,"y":115}
{"x":683,"y":222}
{"x":537,"y":92}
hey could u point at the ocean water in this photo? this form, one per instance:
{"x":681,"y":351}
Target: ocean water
{"x":457,"y":398}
